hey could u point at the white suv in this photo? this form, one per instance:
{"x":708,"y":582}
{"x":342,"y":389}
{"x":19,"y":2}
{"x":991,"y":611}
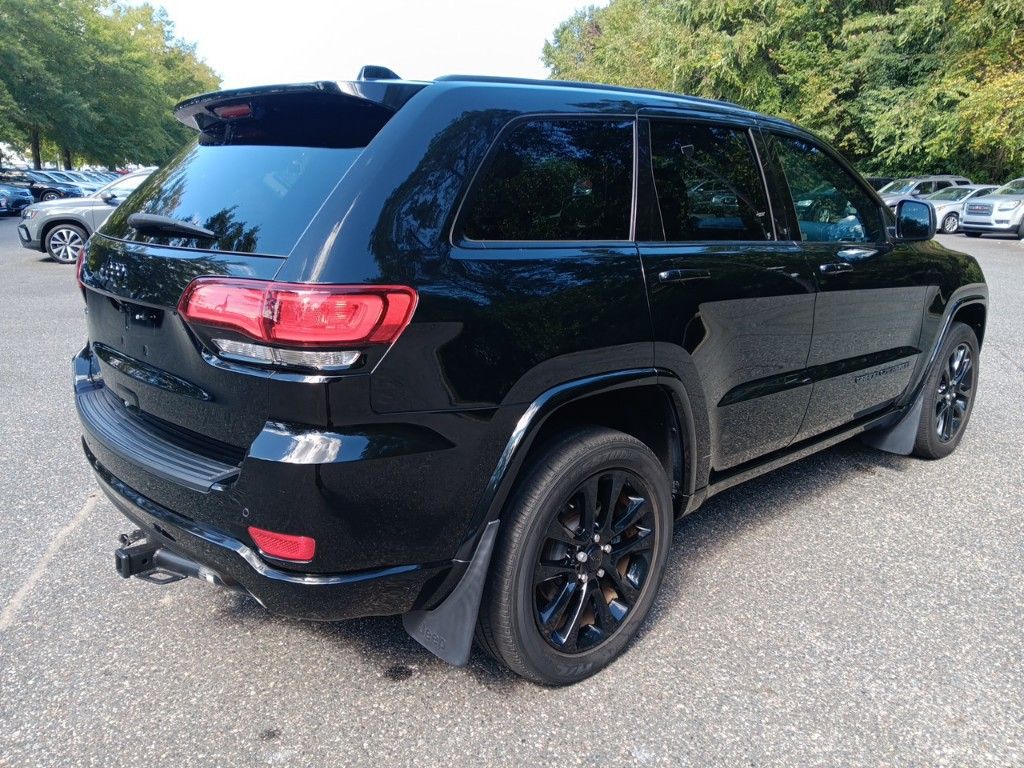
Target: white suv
{"x":1001,"y":213}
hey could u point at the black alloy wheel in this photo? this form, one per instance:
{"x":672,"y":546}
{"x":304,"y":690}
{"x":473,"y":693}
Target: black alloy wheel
{"x":953,"y":395}
{"x":580,"y":555}
{"x":595,"y":561}
{"x":950,"y":392}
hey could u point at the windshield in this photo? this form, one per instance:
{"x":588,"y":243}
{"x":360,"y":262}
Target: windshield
{"x":951,"y":193}
{"x":898,"y":187}
{"x":1015,"y":187}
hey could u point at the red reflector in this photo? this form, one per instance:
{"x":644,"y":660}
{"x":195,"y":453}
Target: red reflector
{"x":283,"y":546}
{"x":233,"y":111}
{"x":298,"y":314}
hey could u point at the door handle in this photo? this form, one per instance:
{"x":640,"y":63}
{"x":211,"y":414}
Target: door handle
{"x":683,"y":275}
{"x":835,"y":267}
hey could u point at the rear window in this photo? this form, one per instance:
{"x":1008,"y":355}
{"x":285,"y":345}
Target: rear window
{"x":256,"y":181}
{"x":552,"y":180}
{"x":256,"y":199}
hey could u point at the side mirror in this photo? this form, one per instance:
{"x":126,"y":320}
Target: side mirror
{"x":109,"y":198}
{"x":915,"y":220}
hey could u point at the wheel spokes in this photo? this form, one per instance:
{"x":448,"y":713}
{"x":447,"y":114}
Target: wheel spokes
{"x":642,"y":542}
{"x":551,"y":616}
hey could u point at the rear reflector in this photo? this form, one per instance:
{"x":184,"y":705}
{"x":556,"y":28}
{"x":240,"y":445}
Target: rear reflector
{"x":324,"y":360}
{"x":300,"y":315}
{"x":283,"y":546}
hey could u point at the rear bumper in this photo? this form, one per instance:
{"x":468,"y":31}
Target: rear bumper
{"x":228,"y":562}
{"x":185,"y":503}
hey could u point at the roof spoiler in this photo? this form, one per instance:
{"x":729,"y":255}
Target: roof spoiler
{"x":390,"y":94}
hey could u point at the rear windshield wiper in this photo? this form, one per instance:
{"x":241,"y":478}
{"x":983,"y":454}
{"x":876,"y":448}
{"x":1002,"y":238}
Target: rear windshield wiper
{"x":164,"y":225}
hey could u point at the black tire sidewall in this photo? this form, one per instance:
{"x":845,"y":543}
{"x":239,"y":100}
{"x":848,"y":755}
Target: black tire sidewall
{"x":928,"y":445}
{"x":543,"y":662}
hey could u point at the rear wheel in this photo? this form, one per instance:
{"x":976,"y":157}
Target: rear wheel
{"x":50,"y":196}
{"x":950,"y":391}
{"x":64,"y":241}
{"x":1020,"y":230}
{"x":950,"y":223}
{"x":580,"y":559}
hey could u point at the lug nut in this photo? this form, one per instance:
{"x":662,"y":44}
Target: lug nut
{"x":606,"y":548}
{"x":584,"y":578}
{"x":600,"y":573}
{"x":581,"y":557}
{"x":597,"y":537}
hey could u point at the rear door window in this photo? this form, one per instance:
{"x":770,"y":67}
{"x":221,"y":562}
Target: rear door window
{"x":555,"y":180}
{"x":707,"y":182}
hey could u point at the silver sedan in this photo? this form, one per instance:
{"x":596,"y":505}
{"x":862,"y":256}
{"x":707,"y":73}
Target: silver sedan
{"x":949,"y":202}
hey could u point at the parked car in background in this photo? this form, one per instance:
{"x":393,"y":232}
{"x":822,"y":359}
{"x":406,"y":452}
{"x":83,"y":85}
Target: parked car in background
{"x":878,"y":181}
{"x":999,"y":213}
{"x":61,"y":227}
{"x":949,"y":202}
{"x":917,"y":186}
{"x":40,"y":184}
{"x":336,"y":366}
{"x":87,"y":185}
{"x":14,"y":199}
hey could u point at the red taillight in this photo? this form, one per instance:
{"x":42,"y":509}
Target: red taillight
{"x":283,"y":546}
{"x":233,"y":111}
{"x":300,"y":315}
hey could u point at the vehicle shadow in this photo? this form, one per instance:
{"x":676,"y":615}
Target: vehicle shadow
{"x":383,"y":643}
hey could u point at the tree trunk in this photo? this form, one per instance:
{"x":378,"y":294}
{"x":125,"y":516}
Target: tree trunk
{"x":37,"y":159}
{"x":67,"y":159}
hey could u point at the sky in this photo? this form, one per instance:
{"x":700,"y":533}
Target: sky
{"x":302,"y":40}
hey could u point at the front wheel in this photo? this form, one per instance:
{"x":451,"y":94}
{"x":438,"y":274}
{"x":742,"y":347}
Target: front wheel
{"x":580,"y":559}
{"x":48,"y":196}
{"x":949,"y":395}
{"x":950,"y":223}
{"x":64,"y":241}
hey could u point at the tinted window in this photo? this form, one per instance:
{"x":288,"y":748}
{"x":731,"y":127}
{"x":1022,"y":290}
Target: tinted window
{"x":257,"y":199}
{"x":831,"y":206}
{"x":707,"y":183}
{"x":556,"y":180}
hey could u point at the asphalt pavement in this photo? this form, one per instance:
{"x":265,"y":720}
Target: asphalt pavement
{"x":855,"y":608}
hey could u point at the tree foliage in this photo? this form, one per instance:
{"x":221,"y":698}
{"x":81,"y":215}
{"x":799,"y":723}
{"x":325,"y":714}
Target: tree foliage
{"x":95,"y":79}
{"x":900,"y":86}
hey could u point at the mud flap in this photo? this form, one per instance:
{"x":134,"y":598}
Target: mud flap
{"x":447,"y":630}
{"x":901,"y":436}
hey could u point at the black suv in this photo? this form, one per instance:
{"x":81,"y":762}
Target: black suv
{"x":464,"y":350}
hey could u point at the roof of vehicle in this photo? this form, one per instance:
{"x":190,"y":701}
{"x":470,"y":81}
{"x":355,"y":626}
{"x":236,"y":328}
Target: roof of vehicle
{"x":393,"y":94}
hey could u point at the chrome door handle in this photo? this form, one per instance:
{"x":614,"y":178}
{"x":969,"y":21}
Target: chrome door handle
{"x":683,"y":275}
{"x":835,"y":267}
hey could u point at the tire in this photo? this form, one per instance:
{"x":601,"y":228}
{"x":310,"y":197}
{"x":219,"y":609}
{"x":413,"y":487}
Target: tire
{"x":64,"y":241}
{"x":950,"y":392}
{"x":47,"y":196}
{"x":1020,"y":230}
{"x":973,"y":234}
{"x":950,"y":223}
{"x":542,"y":521}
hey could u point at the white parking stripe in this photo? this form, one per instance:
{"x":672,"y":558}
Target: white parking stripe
{"x":14,"y":604}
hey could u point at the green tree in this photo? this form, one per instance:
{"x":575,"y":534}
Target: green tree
{"x":94,"y":78}
{"x":900,"y":86}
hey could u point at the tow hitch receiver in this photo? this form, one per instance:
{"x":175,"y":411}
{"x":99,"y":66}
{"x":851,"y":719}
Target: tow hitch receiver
{"x":141,"y":558}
